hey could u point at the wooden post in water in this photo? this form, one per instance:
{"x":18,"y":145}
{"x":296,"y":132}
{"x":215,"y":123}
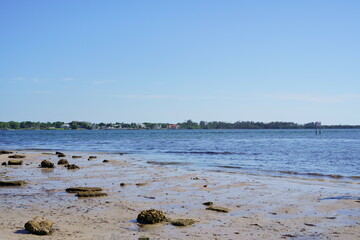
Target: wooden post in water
{"x":317,"y":127}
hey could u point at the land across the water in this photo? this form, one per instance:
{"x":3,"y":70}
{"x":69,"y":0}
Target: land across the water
{"x":238,"y":205}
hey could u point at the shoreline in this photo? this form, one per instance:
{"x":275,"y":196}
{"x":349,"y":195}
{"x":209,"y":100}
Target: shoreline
{"x":261,"y":207}
{"x":276,"y":173}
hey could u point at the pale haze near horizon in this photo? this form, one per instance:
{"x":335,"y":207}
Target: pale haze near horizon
{"x":170,"y":61}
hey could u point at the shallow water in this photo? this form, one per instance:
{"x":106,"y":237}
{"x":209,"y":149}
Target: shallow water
{"x":277,"y":152}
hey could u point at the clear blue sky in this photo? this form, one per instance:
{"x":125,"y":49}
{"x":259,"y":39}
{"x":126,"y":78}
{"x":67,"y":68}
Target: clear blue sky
{"x":169,"y":61}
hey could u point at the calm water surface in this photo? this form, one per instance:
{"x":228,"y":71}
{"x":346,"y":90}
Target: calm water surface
{"x":301,"y":151}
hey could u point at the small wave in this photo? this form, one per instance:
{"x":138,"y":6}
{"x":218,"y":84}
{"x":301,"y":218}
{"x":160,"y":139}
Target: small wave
{"x":342,"y":198}
{"x":225,"y":166}
{"x":337,"y":176}
{"x":168,"y":163}
{"x":288,"y":172}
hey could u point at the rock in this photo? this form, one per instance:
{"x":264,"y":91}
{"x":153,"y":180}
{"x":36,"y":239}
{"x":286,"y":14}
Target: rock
{"x":61,"y":155}
{"x":47,"y":164}
{"x":16,"y":156}
{"x":218,"y":209}
{"x":144,"y":238}
{"x":123,"y":184}
{"x":57,"y":153}
{"x":182,"y":222}
{"x":91,"y":194}
{"x":92,"y":157}
{"x":82,"y":189}
{"x":141,"y":184}
{"x":208,"y":203}
{"x":12,"y":183}
{"x":63,"y":161}
{"x":151,"y":216}
{"x":5,"y":152}
{"x":106,"y":161}
{"x":72,"y":166}
{"x":39,"y":226}
{"x":76,"y":157}
{"x":4,"y":164}
{"x":15,"y":162}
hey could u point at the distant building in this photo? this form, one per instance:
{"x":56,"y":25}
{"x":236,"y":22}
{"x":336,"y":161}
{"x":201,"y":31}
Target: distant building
{"x":65,"y":125}
{"x":173,"y":126}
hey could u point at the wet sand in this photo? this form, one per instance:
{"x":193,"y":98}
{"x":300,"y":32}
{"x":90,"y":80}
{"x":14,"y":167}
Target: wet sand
{"x":261,"y":207}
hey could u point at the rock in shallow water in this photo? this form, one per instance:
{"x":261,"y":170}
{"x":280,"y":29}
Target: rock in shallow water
{"x":16,"y":156}
{"x":82,"y":189}
{"x":63,"y":161}
{"x":47,"y":164}
{"x":151,"y":216}
{"x":11,"y":183}
{"x":39,"y":226}
{"x":72,"y":166}
{"x":5,"y":152}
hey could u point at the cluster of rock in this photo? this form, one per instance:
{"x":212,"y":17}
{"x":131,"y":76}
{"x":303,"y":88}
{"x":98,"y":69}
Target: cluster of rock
{"x":153,"y":216}
{"x":86,"y":191}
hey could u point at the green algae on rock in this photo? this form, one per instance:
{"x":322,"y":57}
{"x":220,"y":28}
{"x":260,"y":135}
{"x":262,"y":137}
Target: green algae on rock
{"x":182,"y":222}
{"x":39,"y":226}
{"x":151,"y":216}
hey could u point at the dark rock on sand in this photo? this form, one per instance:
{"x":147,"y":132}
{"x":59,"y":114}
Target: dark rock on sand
{"x":83,"y":189}
{"x":61,"y":155}
{"x":12,"y":183}
{"x":39,"y":226}
{"x":16,"y":156}
{"x":57,"y":153}
{"x":208,"y":203}
{"x":47,"y":164}
{"x":92,"y":157}
{"x":106,"y":161}
{"x":123,"y":184}
{"x":72,"y":166}
{"x":218,"y":209}
{"x":141,"y":184}
{"x":91,"y":194}
{"x":144,"y":238}
{"x":151,"y":216}
{"x":5,"y":152}
{"x":62,"y":161}
{"x":4,"y":164}
{"x":182,"y":222}
{"x":76,"y":156}
{"x":15,"y":162}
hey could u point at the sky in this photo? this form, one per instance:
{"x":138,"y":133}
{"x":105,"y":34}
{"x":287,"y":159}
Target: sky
{"x":170,"y":61}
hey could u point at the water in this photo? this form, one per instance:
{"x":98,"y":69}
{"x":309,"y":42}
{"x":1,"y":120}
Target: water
{"x":333,"y":152}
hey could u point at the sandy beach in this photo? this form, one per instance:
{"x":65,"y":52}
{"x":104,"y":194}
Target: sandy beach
{"x":260,"y":207}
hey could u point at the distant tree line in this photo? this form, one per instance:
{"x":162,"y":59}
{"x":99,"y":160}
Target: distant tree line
{"x":189,"y":124}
